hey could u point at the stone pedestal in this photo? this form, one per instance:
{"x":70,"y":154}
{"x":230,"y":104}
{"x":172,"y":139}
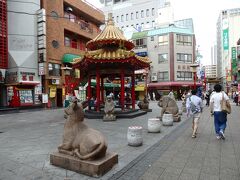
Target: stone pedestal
{"x":134,"y":136}
{"x":176,"y":118}
{"x":167,"y":119}
{"x":94,"y":168}
{"x":109,"y":117}
{"x":154,"y":125}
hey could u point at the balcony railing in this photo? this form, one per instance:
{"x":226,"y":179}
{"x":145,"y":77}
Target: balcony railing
{"x":82,"y":24}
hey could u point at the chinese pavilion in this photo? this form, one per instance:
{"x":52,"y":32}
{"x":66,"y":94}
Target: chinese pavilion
{"x":110,"y":55}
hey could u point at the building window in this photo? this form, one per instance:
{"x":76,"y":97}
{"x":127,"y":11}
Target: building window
{"x":184,"y":40}
{"x":152,"y":38}
{"x":137,"y":15}
{"x":153,"y":23}
{"x":54,"y":15}
{"x":121,"y":18}
{"x":163,"y":76}
{"x":74,"y":43}
{"x":184,"y":58}
{"x":54,"y":69}
{"x":162,"y":58}
{"x":183,"y":75}
{"x":126,"y":17}
{"x":67,"y":41}
{"x":147,"y":12}
{"x":162,"y":40}
{"x":142,"y":14}
{"x":140,"y":43}
{"x":131,"y":16}
{"x":153,"y":11}
{"x":55,"y":44}
{"x":116,"y":1}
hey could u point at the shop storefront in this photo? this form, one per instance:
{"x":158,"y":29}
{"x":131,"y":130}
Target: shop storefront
{"x":22,"y":90}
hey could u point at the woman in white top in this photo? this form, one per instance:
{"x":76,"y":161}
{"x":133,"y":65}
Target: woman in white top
{"x":220,"y":118}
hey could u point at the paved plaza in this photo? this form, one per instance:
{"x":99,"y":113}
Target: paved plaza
{"x":27,"y":139}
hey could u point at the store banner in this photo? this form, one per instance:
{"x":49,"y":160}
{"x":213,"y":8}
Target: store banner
{"x":53,"y":90}
{"x":63,"y":91}
{"x":44,"y":98}
{"x":225,"y":39}
{"x":234,"y":61}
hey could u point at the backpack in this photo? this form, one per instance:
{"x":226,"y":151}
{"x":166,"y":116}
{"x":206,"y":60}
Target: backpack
{"x":193,"y":107}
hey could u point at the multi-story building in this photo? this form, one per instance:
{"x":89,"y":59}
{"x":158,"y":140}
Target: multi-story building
{"x":3,"y":50}
{"x":21,"y":78}
{"x":227,"y":35}
{"x":214,"y":54}
{"x":172,"y":51}
{"x":64,"y":28}
{"x":133,"y":15}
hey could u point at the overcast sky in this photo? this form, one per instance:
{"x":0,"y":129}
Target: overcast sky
{"x":204,"y":14}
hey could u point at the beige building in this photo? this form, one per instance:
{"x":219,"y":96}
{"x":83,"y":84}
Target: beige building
{"x":64,"y":28}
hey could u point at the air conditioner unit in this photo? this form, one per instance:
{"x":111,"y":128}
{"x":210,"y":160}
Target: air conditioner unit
{"x":55,"y":81}
{"x":154,"y":78}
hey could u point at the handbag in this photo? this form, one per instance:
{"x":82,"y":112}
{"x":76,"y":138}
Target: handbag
{"x":225,"y":105}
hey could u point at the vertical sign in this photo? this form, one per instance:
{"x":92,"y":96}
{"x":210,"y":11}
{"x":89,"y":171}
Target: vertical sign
{"x":234,"y":61}
{"x":225,"y":39}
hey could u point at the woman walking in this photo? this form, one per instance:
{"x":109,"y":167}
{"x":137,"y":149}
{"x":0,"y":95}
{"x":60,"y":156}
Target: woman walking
{"x":220,"y":117}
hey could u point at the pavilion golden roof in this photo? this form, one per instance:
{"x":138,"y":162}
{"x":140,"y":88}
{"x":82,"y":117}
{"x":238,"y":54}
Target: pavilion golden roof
{"x":103,"y":54}
{"x":110,"y":35}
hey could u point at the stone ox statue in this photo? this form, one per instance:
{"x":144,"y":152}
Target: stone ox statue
{"x":78,"y":139}
{"x":144,"y":104}
{"x":169,"y":106}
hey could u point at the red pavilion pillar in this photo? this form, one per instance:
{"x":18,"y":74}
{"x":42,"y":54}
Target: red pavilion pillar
{"x":89,"y":94}
{"x":133,"y":91}
{"x":102,"y":90}
{"x":98,"y":90}
{"x":122,"y":89}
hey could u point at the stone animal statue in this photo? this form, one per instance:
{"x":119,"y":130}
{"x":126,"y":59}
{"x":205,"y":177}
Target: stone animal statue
{"x":109,"y":110}
{"x":144,"y":104}
{"x":78,"y":139}
{"x":169,"y":106}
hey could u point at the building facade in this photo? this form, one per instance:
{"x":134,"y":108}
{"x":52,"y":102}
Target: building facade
{"x":22,"y":82}
{"x":227,"y":36}
{"x":64,"y":30}
{"x":3,"y":50}
{"x":172,"y":52}
{"x":133,"y":15}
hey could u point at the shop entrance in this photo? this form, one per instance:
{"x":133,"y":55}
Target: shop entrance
{"x":59,"y":98}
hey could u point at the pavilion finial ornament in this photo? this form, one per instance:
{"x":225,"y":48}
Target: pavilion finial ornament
{"x":110,"y":19}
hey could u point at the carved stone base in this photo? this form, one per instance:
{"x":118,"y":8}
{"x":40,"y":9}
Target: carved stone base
{"x":109,"y":118}
{"x":176,"y":118}
{"x":94,"y":168}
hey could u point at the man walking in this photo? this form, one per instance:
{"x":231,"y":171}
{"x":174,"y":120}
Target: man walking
{"x":220,"y":118}
{"x":194,"y":104}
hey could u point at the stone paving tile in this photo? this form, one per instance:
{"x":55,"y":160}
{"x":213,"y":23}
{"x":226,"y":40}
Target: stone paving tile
{"x":168,"y":176}
{"x":204,"y":176}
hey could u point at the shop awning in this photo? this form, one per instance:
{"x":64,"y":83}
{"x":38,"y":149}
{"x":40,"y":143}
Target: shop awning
{"x":139,"y":88}
{"x":176,"y":83}
{"x":68,"y":58}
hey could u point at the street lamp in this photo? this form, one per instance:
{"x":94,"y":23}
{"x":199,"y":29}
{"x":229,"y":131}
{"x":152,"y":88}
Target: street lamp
{"x":194,"y":70}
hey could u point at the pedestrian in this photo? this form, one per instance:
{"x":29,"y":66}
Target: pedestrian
{"x":171,"y":95}
{"x":194,"y":105}
{"x":220,"y":118}
{"x":207,"y":97}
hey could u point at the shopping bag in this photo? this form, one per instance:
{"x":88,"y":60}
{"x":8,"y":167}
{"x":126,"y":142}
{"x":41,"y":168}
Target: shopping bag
{"x":225,"y":105}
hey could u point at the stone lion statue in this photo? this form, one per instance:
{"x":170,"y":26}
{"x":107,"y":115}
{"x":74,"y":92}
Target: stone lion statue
{"x":78,"y":139}
{"x":169,"y":106}
{"x":144,"y":104}
{"x":109,"y":110}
